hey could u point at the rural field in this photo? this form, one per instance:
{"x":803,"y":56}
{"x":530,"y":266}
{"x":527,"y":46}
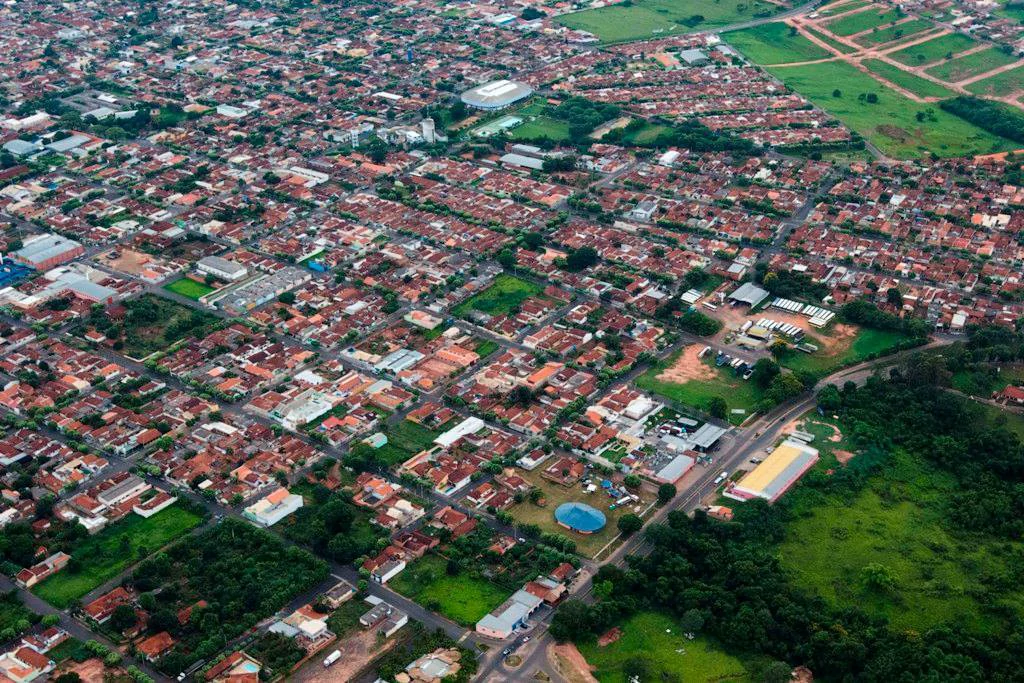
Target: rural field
{"x":774,"y":44}
{"x":463,"y":598}
{"x":694,"y":382}
{"x":891,"y":123}
{"x":105,"y":555}
{"x":896,"y":522}
{"x":643,"y":19}
{"x":186,"y":286}
{"x":503,"y":295}
{"x":658,"y":641}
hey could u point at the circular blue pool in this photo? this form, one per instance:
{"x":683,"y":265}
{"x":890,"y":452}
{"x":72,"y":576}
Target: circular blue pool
{"x":580,"y":517}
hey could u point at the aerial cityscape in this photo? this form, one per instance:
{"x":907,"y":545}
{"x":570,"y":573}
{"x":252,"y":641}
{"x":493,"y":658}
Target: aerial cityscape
{"x":667,"y":341}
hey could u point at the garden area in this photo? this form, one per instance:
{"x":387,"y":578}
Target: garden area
{"x":505,"y":294}
{"x":186,"y":286}
{"x":654,"y":647}
{"x":100,"y":558}
{"x":461,"y":597}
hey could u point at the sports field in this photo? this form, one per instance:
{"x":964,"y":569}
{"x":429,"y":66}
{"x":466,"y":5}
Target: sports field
{"x":774,"y":43}
{"x":933,"y":50}
{"x":890,"y":123}
{"x":642,"y":19}
{"x":186,"y":286}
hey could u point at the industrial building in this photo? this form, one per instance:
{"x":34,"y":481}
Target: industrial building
{"x":776,"y":474}
{"x":222,"y":268}
{"x":47,"y":250}
{"x":496,"y":95}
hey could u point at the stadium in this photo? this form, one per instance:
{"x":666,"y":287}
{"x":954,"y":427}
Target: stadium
{"x":496,"y":95}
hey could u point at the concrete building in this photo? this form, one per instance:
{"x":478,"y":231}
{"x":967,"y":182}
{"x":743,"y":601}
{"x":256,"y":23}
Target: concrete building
{"x":510,"y":615}
{"x":496,"y":94}
{"x":428,"y":131}
{"x":47,"y":250}
{"x":222,"y":268}
{"x":271,"y":509}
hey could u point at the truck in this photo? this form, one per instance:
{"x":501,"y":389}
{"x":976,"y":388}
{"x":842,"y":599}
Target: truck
{"x":332,"y":658}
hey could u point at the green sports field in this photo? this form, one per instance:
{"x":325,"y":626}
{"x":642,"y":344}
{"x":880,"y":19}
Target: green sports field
{"x":644,"y":19}
{"x":188,"y":287}
{"x":774,"y":44}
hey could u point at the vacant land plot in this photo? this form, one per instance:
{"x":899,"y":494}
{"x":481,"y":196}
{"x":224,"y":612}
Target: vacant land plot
{"x":154,"y":323}
{"x":13,"y":614}
{"x":863,"y":21}
{"x":720,"y":382}
{"x":841,"y":7}
{"x":915,"y":84}
{"x":657,"y":640}
{"x":898,"y":32}
{"x":504,"y":294}
{"x":973,"y":64}
{"x":890,"y":123}
{"x":108,"y":553}
{"x":405,"y":440}
{"x":462,"y":598}
{"x":653,"y":18}
{"x":848,"y":346}
{"x":1000,"y":84}
{"x":933,"y":50}
{"x":774,"y":44}
{"x":896,"y":522}
{"x":841,"y":48}
{"x":186,"y":286}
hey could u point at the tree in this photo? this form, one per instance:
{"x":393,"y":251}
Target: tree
{"x":764,"y":371}
{"x":123,"y":617}
{"x":878,"y":577}
{"x":829,"y":399}
{"x":777,"y":672}
{"x":717,"y":407}
{"x":692,"y":621}
{"x":533,"y":241}
{"x":631,"y":481}
{"x":666,"y":492}
{"x":630,"y":524}
{"x":893,"y":297}
{"x":581,"y":259}
{"x":69,"y":677}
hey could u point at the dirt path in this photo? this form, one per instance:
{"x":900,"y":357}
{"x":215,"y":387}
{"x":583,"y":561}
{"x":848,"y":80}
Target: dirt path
{"x":994,"y":72}
{"x":570,"y":663}
{"x":860,"y":34}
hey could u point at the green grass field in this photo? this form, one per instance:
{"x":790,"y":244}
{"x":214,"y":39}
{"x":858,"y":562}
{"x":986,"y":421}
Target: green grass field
{"x":915,"y":84}
{"x":504,"y":294}
{"x":13,"y":613}
{"x":1000,"y":84}
{"x":737,"y":392}
{"x":645,"y":19}
{"x":405,"y":440}
{"x":773,"y":44}
{"x":866,"y":344}
{"x":863,"y":21}
{"x":541,"y":127}
{"x":902,"y":31}
{"x":463,"y":598}
{"x":896,"y":522}
{"x":188,"y":287}
{"x":933,"y":50}
{"x":840,"y":7}
{"x":113,"y":550}
{"x":984,"y":382}
{"x":890,"y":123}
{"x":831,"y":42}
{"x":657,"y":640}
{"x":973,"y":64}
{"x":154,"y":323}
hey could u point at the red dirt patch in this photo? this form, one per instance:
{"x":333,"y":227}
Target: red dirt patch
{"x":610,"y":637}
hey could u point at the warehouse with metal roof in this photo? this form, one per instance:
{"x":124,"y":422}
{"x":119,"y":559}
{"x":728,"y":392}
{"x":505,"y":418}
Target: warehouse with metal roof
{"x":779,"y":471}
{"x":496,"y":94}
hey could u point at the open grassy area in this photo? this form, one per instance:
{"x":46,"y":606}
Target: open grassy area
{"x":554,"y":495}
{"x":863,"y":21}
{"x":1000,"y":84}
{"x":13,"y":613}
{"x":111,"y":551}
{"x":896,"y":521}
{"x":737,"y":392}
{"x":154,"y":324}
{"x":840,"y":7}
{"x":890,"y":123}
{"x":973,"y":64}
{"x":902,"y":31}
{"x":541,"y":127}
{"x":866,"y":344}
{"x":645,"y":19}
{"x":462,"y":598}
{"x":657,"y":640}
{"x":186,"y":286}
{"x":905,"y":79}
{"x":933,"y":50}
{"x":645,"y":135}
{"x":983,"y":382}
{"x":774,"y":43}
{"x":505,"y":293}
{"x":841,"y":48}
{"x":405,"y":440}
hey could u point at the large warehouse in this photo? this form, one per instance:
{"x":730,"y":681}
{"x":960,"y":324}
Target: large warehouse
{"x":496,"y":94}
{"x":776,"y":474}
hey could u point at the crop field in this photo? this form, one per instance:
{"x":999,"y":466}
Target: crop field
{"x":774,"y":44}
{"x":902,"y":31}
{"x":933,"y":50}
{"x":973,"y":64}
{"x":653,"y":18}
{"x":504,"y":294}
{"x":463,"y":598}
{"x":1000,"y":84}
{"x":111,"y":551}
{"x":915,"y":84}
{"x":896,"y":522}
{"x":657,"y":639}
{"x":186,"y":286}
{"x":864,"y":21}
{"x":890,"y":123}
